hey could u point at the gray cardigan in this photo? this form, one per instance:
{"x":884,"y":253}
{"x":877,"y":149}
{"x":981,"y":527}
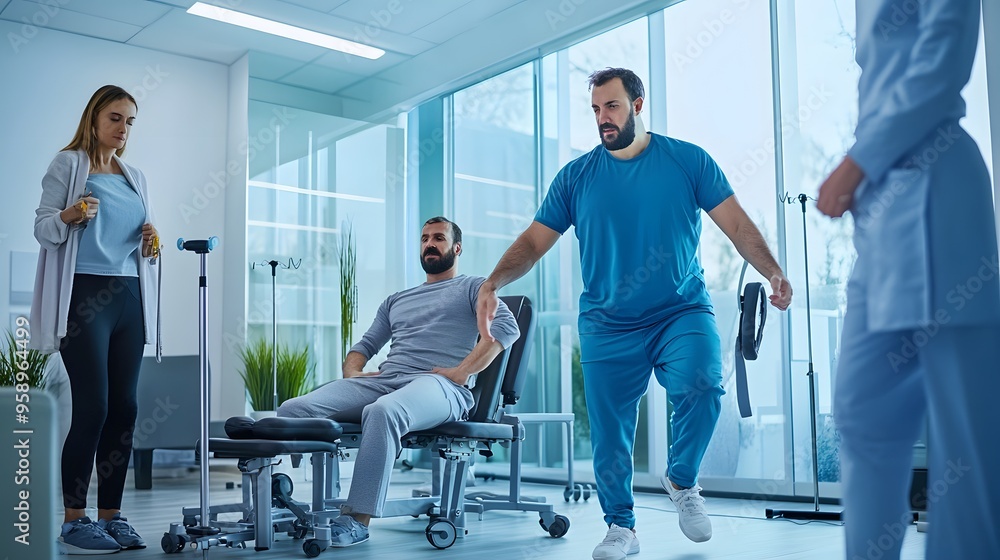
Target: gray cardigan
{"x":64,"y":183}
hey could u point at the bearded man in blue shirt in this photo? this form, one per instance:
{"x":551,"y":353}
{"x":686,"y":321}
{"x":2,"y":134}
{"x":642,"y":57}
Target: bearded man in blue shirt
{"x":636,"y":202}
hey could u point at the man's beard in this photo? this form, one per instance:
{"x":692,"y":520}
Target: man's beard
{"x":624,"y":137}
{"x":443,"y":262}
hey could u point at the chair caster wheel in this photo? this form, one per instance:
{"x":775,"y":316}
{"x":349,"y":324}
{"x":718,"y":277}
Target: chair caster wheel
{"x":172,"y":543}
{"x":312,"y":548}
{"x":559,"y":527}
{"x":441,"y":533}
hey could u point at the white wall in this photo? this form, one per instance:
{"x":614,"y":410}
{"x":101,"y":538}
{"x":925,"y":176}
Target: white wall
{"x":179,"y":141}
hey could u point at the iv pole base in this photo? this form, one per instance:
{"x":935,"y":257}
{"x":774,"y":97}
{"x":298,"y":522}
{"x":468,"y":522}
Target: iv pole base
{"x":804,"y":514}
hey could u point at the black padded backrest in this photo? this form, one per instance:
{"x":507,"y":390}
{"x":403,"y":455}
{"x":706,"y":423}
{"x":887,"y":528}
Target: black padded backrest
{"x":520,"y":353}
{"x":500,"y":377}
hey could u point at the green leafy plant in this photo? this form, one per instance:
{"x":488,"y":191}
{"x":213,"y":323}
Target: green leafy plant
{"x":347,"y":252}
{"x":257,"y":375}
{"x":17,"y":358}
{"x":295,"y":374}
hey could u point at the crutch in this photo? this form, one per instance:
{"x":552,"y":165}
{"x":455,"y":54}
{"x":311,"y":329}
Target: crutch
{"x":202,"y":247}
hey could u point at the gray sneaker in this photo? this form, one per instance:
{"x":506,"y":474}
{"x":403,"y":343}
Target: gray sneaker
{"x":347,"y":531}
{"x":122,"y":532}
{"x":83,"y":536}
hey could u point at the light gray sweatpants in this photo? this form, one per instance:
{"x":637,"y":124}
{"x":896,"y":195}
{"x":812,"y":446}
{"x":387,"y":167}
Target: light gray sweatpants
{"x":387,"y":406}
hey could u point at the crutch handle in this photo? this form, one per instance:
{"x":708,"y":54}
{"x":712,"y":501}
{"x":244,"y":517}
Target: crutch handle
{"x":198,"y":245}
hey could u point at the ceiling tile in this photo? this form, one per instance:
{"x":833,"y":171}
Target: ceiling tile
{"x":268,"y":66}
{"x":362,"y":90}
{"x":182,"y":4}
{"x":356,"y":65}
{"x":398,"y":16}
{"x":65,"y":20}
{"x":318,"y":5}
{"x":125,"y":11}
{"x":461,"y":20}
{"x":320,"y":78}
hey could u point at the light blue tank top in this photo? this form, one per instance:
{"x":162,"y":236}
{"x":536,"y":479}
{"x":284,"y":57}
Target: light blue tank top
{"x":109,"y":245}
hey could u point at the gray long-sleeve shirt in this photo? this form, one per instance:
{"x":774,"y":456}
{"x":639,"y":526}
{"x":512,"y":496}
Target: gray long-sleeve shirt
{"x":63,"y":184}
{"x":432,"y":325}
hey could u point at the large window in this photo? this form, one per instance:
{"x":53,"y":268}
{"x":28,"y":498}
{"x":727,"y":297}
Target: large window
{"x":494,"y":169}
{"x":819,"y":80}
{"x":719,"y":96}
{"x":310,"y":175}
{"x":495,"y":190}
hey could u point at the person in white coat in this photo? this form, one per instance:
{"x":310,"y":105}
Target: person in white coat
{"x":921,"y":339}
{"x":95,"y":302}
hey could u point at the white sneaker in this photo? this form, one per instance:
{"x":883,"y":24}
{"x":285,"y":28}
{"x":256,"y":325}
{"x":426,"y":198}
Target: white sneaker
{"x":691,"y":514}
{"x":619,"y":543}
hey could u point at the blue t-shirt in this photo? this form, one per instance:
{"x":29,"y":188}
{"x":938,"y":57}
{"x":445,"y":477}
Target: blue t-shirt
{"x":639,"y":223}
{"x":110,"y":243}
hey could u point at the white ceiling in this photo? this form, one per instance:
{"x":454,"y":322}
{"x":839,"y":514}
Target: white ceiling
{"x":432,"y":46}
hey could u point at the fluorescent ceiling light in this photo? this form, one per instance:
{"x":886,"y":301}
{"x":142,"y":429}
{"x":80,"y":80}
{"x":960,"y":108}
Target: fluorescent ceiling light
{"x":226,"y":15}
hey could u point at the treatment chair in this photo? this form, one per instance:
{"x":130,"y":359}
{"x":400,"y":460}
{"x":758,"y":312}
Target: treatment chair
{"x":497,"y":387}
{"x":268,"y":508}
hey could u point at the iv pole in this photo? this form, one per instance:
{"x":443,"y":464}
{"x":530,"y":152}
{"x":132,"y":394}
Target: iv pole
{"x":292,"y":264}
{"x":815,"y":514}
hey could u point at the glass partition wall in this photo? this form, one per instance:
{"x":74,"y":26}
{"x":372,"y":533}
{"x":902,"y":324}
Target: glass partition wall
{"x":312,"y":175}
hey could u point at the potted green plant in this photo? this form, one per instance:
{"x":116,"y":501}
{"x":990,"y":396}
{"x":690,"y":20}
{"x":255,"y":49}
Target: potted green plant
{"x":295,"y":375}
{"x":347,"y":253}
{"x":257,"y":376}
{"x":16,"y":358}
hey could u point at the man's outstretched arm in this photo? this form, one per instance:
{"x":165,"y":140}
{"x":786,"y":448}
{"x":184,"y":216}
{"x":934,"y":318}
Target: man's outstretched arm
{"x":529,"y":247}
{"x":747,"y":239}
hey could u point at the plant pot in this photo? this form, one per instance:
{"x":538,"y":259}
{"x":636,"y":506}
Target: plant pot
{"x":258,"y":414}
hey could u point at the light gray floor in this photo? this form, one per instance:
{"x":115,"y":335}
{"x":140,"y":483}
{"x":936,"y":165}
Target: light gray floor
{"x":740,"y":529}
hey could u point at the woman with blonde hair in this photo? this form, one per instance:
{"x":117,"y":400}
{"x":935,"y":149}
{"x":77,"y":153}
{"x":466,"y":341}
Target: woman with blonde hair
{"x":95,"y":303}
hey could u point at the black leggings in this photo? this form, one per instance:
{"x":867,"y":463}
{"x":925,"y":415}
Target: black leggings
{"x":102,"y":352}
